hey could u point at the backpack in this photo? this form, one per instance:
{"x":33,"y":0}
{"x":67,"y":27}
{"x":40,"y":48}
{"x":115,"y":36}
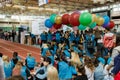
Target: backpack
{"x":108,"y":41}
{"x":90,"y":42}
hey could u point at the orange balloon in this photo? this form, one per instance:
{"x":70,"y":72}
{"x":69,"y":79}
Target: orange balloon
{"x":58,"y":20}
{"x":94,"y":18}
{"x":100,"y":21}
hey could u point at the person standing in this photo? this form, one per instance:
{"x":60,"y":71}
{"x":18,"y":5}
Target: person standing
{"x":109,"y":41}
{"x":13,"y":35}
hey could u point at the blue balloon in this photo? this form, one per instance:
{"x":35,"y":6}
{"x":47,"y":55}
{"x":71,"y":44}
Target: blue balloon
{"x":48,"y":23}
{"x":106,"y":20}
{"x":105,"y":25}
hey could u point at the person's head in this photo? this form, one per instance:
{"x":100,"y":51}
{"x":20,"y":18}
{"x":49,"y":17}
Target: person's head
{"x":80,"y":47}
{"x":15,"y":54}
{"x":80,"y":69}
{"x":89,"y":63}
{"x":16,"y":78}
{"x":1,"y":54}
{"x":29,"y":54}
{"x":107,"y":29}
{"x":47,"y":61}
{"x":5,"y":58}
{"x":52,"y":73}
{"x":19,"y":64}
{"x":48,"y":53}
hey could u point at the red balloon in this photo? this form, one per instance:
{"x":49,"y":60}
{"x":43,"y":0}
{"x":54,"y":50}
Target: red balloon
{"x":65,"y":19}
{"x":74,"y":19}
{"x":111,"y":24}
{"x":52,"y":29}
{"x":57,"y":26}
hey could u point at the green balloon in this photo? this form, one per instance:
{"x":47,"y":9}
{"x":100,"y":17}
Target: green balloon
{"x":92,"y":25}
{"x":81,"y":27}
{"x":85,"y":18}
{"x":52,"y":18}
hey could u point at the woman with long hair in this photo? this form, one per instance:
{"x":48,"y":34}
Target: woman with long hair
{"x":75,"y":59}
{"x":17,"y":69}
{"x":89,"y":68}
{"x":7,"y":66}
{"x":52,"y":73}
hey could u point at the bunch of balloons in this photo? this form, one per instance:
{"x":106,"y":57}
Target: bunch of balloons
{"x":78,"y":21}
{"x":54,"y":22}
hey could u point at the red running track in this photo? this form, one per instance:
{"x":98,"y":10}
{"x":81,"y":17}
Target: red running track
{"x":8,"y":47}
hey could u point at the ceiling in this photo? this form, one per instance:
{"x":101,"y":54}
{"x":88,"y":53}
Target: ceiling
{"x":31,"y":7}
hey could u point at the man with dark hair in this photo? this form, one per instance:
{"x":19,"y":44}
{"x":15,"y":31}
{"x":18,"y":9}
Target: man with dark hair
{"x":15,"y":59}
{"x":41,"y":73}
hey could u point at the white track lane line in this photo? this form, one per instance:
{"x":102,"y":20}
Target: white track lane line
{"x":23,"y":48}
{"x":12,"y":52}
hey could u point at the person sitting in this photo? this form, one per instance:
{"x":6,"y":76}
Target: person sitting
{"x":80,"y":73}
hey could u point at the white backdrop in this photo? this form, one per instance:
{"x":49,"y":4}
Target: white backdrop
{"x":38,"y":26}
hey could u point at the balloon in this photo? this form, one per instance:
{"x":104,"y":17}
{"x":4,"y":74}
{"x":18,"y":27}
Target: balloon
{"x":94,"y":18}
{"x":48,"y":23}
{"x":52,"y":29}
{"x":100,"y":21}
{"x":106,"y":20}
{"x":58,"y":20}
{"x":65,"y":19}
{"x":111,"y":24}
{"x":52,"y":18}
{"x":92,"y":25}
{"x":81,"y":27}
{"x":85,"y":18}
{"x":75,"y":28}
{"x":105,"y":25}
{"x":57,"y":26}
{"x":74,"y":19}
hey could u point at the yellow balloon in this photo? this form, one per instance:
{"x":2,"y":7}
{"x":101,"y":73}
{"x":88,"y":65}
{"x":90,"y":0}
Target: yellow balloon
{"x":100,"y":21}
{"x":58,"y":20}
{"x":94,"y":18}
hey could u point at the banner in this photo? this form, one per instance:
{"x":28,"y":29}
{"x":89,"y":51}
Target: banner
{"x":38,"y":27}
{"x":42,"y":2}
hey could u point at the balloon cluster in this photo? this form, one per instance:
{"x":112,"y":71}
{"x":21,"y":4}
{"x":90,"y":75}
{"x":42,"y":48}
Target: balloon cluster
{"x":78,"y":21}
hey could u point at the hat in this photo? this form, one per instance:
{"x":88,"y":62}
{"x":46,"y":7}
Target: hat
{"x":102,"y":60}
{"x":42,"y":73}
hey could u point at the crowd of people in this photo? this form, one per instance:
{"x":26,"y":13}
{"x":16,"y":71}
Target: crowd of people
{"x":7,"y":35}
{"x":69,"y":55}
